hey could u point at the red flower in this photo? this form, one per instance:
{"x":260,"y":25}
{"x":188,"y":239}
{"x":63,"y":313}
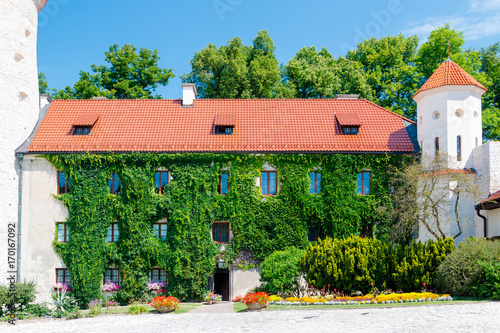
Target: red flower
{"x":260,"y":298}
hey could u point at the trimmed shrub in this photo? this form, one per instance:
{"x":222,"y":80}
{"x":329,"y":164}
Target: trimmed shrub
{"x":354,"y":263}
{"x":460,"y":272}
{"x":281,"y":270}
{"x":417,"y":264}
{"x":24,"y":295}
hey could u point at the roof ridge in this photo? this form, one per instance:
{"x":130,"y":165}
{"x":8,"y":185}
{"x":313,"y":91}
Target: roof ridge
{"x":391,"y":112}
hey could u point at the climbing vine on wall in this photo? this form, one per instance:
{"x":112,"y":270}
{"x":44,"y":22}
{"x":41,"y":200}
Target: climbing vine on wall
{"x":190,"y":203}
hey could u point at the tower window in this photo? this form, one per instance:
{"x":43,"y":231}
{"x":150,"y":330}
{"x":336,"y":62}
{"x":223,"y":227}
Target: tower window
{"x":436,"y":145}
{"x":459,"y":148}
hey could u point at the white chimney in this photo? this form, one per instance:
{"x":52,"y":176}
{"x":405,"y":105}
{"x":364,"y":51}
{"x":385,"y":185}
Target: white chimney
{"x":188,"y":94}
{"x":44,"y":100}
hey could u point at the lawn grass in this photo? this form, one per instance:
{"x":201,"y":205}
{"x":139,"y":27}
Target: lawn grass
{"x":185,"y":307}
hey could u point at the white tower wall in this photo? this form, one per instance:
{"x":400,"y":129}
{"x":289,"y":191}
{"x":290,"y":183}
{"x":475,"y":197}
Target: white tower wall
{"x":459,"y":109}
{"x":19,"y":106}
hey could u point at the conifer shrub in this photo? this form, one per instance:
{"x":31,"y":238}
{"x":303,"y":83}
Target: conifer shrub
{"x":461,"y":271}
{"x":281,"y":270}
{"x":354,"y":263}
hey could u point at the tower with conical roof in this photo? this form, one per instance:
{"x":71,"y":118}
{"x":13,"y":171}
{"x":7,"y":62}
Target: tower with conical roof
{"x":449,"y":115}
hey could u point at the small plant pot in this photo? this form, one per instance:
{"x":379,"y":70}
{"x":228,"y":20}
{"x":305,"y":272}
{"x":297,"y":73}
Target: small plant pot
{"x":107,"y":294}
{"x":255,"y":306}
{"x":165,"y":309}
{"x":210,"y":302}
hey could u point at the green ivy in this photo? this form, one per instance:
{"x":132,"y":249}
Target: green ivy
{"x":190,"y":203}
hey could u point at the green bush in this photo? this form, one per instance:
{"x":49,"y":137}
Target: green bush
{"x":489,"y":281}
{"x":136,"y":308}
{"x":354,"y":263}
{"x":25,"y":293}
{"x":281,"y":270}
{"x":460,"y":272}
{"x":417,"y":264}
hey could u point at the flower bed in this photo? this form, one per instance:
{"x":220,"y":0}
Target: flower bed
{"x":367,"y":299}
{"x":255,"y":301}
{"x":165,"y":303}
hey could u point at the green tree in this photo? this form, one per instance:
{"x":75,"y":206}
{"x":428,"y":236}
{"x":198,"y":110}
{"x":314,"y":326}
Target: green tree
{"x":389,"y":66}
{"x":441,"y":42}
{"x":43,"y":86}
{"x":490,"y":65}
{"x":235,"y":70}
{"x":130,"y":74}
{"x":313,"y":74}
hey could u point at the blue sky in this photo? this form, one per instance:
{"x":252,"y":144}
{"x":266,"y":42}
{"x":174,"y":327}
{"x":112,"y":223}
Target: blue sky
{"x":73,"y":34}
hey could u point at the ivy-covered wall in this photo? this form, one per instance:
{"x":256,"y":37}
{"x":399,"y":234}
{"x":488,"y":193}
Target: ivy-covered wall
{"x":190,"y":203}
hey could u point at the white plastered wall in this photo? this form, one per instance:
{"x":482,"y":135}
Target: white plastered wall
{"x":41,"y":212}
{"x":449,"y":101}
{"x":19,"y":104}
{"x":242,"y":281}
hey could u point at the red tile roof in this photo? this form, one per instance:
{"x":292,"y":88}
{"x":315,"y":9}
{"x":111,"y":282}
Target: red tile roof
{"x":261,"y":125}
{"x":348,"y":119}
{"x":449,"y":74}
{"x":225,"y":119}
{"x":495,"y":196}
{"x":86,"y":119}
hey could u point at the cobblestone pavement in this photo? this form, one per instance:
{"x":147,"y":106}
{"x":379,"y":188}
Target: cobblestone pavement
{"x":470,"y":317}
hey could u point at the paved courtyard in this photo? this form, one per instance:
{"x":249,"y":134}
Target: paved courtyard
{"x":471,"y":317}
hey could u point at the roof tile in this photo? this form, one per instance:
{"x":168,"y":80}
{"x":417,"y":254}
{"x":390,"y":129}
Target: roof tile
{"x":449,"y":73}
{"x":264,"y":125}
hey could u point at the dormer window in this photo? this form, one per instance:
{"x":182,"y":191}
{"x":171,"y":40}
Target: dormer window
{"x":349,"y":123}
{"x":224,"y":123}
{"x":224,"y":130}
{"x":350,"y":130}
{"x":82,"y":130}
{"x":84,"y":123}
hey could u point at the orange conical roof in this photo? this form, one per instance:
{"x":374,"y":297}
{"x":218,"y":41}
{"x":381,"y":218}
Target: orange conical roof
{"x":449,"y":74}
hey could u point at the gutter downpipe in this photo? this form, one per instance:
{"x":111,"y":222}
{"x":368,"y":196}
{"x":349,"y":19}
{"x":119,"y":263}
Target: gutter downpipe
{"x":478,"y":212}
{"x":19,"y":215}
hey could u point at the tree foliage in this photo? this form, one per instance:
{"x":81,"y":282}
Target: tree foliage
{"x":43,"y":85}
{"x":389,"y":66}
{"x":313,"y":74}
{"x":281,"y":270}
{"x":130,"y":74}
{"x":235,"y":70}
